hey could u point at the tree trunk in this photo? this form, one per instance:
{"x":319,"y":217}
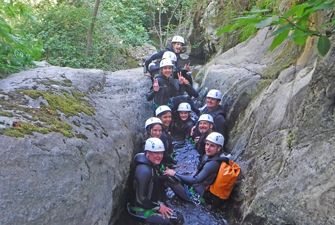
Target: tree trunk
{"x":89,"y":36}
{"x":160,"y":26}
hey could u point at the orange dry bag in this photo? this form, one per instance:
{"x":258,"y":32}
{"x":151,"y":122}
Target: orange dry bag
{"x":225,"y":180}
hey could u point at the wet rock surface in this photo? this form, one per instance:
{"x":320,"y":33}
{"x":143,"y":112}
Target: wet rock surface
{"x":60,"y":166}
{"x":280,"y":120}
{"x":286,"y":141}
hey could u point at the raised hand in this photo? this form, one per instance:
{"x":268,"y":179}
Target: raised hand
{"x":182,"y":80}
{"x":187,"y":67}
{"x":155,"y":85}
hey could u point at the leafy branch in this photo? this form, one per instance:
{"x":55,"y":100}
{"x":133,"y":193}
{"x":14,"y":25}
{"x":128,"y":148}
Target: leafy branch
{"x":294,"y":24}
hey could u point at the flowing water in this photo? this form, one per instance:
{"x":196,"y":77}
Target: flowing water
{"x":187,"y":159}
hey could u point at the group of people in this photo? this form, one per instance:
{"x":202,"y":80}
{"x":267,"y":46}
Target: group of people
{"x":171,"y":95}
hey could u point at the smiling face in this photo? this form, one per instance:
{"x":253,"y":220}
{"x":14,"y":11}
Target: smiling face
{"x":166,"y":119}
{"x":184,"y":115}
{"x":166,"y":71}
{"x":156,"y":130}
{"x":177,"y":47}
{"x":204,"y":126}
{"x":155,"y":157}
{"x":212,"y":103}
{"x":211,"y":148}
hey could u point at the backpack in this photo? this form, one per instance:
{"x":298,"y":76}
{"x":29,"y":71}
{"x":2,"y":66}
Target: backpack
{"x":225,"y":180}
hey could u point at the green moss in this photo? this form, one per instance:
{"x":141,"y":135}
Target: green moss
{"x":24,"y":129}
{"x":263,"y":83}
{"x":33,"y":93}
{"x":46,"y":118}
{"x":12,"y":133}
{"x":61,"y":127}
{"x":290,"y":139}
{"x":64,"y":83}
{"x":7,"y":114}
{"x":69,"y":104}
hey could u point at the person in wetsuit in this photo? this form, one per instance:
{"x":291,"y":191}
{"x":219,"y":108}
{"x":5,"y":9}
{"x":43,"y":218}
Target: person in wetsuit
{"x":183,"y":123}
{"x":216,"y":110}
{"x":208,"y":168}
{"x":200,"y":132}
{"x":164,"y":113}
{"x":176,"y":47}
{"x":147,"y":204}
{"x":164,"y":86}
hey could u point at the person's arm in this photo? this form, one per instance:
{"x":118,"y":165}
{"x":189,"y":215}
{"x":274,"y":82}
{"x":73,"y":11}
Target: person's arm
{"x":154,"y":89}
{"x":190,"y":90}
{"x":208,"y":169}
{"x":150,"y":95}
{"x":219,"y":122}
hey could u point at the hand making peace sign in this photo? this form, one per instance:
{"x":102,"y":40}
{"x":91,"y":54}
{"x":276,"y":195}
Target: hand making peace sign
{"x":155,"y":85}
{"x":182,"y":80}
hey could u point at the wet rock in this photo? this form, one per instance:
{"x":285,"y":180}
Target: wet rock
{"x":280,"y":118}
{"x":75,"y":174}
{"x":286,"y":143}
{"x":280,"y":124}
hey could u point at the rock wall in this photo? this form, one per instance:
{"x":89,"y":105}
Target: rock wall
{"x":285,"y":141}
{"x":73,"y":169}
{"x":280,"y":128}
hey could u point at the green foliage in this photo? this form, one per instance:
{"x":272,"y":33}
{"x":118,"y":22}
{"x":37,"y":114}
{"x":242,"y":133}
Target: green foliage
{"x":127,"y":19}
{"x":17,"y":49}
{"x":57,"y":30}
{"x":63,"y":29}
{"x":292,"y":24}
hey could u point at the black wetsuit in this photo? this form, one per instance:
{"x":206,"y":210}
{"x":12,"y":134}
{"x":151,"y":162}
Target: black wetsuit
{"x":168,"y":153}
{"x":148,"y":187}
{"x":181,"y":130}
{"x":218,"y":116}
{"x":168,"y":87}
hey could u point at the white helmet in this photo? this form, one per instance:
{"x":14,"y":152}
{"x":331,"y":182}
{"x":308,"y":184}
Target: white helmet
{"x":184,"y":107}
{"x":178,"y":38}
{"x":161,"y":109}
{"x":206,"y":117}
{"x":170,"y":55}
{"x":154,"y":145}
{"x":165,"y":62}
{"x":216,"y":138}
{"x":152,"y":120}
{"x":214,"y":94}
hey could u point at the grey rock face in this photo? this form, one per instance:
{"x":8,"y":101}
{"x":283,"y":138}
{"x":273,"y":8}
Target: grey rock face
{"x":281,"y":135}
{"x":53,"y":179}
{"x":286,"y":141}
{"x":237,"y":74}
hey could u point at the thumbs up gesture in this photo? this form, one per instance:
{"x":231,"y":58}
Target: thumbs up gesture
{"x":155,"y":85}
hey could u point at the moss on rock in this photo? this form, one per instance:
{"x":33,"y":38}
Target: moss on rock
{"x":69,"y":104}
{"x":47,"y":118}
{"x":6,"y":114}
